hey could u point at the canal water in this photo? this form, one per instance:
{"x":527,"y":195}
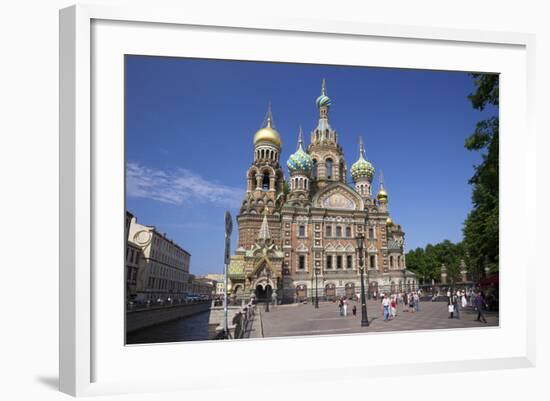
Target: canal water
{"x":193,"y":328}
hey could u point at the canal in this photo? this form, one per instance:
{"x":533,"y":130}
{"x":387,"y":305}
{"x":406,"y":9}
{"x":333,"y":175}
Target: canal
{"x":193,"y":328}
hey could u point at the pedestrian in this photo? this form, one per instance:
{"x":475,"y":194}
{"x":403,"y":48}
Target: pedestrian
{"x":479,"y":304}
{"x":411,"y":302}
{"x":385,"y":307}
{"x":405,"y":302}
{"x":416,"y":299}
{"x":354,"y":310}
{"x":464,"y":301}
{"x":451,"y":306}
{"x":374,"y":295}
{"x":345,"y":307}
{"x":393,"y":306}
{"x":456,"y":304}
{"x":341,"y":307}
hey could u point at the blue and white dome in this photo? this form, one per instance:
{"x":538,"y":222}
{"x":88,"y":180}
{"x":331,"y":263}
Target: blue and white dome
{"x":300,"y":160}
{"x":323,"y":100}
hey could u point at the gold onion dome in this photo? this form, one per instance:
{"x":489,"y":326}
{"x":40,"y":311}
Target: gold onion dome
{"x":362,"y":168}
{"x":300,"y":160}
{"x":389,"y":221}
{"x":382,"y":194}
{"x":267,"y":133}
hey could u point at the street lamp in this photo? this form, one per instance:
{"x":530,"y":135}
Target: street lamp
{"x":364,"y":319}
{"x":317,"y":271}
{"x":268,"y":294}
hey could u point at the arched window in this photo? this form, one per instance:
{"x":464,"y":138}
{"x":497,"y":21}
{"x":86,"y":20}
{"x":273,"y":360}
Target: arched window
{"x":314,"y":169}
{"x":391,"y":261}
{"x":265,"y":182}
{"x":328,"y":166}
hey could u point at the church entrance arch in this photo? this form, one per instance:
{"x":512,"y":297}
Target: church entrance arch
{"x":350,"y":290}
{"x":330,"y":292}
{"x":301,"y":292}
{"x":263,"y":293}
{"x":373,"y":288}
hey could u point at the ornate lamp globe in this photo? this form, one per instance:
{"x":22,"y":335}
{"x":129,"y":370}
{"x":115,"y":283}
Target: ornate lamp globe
{"x":300,"y":160}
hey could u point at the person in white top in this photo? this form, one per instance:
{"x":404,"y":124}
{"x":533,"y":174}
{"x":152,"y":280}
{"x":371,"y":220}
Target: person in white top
{"x":386,"y":307}
{"x":345,"y":307}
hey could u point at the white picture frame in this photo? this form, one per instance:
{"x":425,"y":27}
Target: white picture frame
{"x":92,"y":363}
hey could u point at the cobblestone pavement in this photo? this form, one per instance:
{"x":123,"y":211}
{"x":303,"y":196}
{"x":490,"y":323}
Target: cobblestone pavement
{"x":304,"y":319}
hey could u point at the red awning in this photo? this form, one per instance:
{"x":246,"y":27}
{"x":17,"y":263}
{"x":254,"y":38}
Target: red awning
{"x":489,"y":280}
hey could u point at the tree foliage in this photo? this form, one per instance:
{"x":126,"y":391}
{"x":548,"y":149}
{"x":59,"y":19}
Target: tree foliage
{"x":481,"y":235}
{"x":427,"y":262}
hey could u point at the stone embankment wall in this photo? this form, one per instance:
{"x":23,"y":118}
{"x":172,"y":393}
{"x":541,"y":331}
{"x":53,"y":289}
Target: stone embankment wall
{"x":146,"y":317}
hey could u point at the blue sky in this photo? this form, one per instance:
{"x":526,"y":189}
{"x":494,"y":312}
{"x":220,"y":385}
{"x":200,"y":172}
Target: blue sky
{"x":190,"y":125}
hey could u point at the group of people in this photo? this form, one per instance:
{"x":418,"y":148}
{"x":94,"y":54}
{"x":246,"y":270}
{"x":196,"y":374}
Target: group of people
{"x":409,"y":301}
{"x":462,"y":298}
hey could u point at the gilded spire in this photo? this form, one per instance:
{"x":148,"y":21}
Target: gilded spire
{"x":382,"y":194}
{"x":268,"y":123}
{"x":323,"y":88}
{"x":264,"y":229}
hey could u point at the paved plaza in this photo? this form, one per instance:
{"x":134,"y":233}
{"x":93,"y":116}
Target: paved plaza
{"x":304,"y":319}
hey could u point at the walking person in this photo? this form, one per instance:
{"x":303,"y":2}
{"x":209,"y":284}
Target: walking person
{"x":416,"y":302}
{"x":451,"y":306}
{"x":411,"y":303}
{"x":354,"y":310}
{"x":405,"y":302}
{"x":393,"y":306}
{"x":345,"y":307}
{"x":341,"y":307}
{"x":479,"y":304}
{"x":385,"y":307}
{"x":456,"y":305}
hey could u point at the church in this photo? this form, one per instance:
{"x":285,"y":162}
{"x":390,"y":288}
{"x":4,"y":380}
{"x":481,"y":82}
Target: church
{"x":297,"y":237}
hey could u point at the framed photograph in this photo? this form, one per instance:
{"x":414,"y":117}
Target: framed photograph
{"x":225,"y":204}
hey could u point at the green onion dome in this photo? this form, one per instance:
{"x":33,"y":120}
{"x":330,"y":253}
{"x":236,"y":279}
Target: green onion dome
{"x":362,"y":169}
{"x":300,"y":160}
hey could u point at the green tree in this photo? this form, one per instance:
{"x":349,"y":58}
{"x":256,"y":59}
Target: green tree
{"x":481,"y":235}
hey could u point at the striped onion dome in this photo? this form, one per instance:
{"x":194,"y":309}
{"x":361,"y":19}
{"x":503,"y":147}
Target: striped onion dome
{"x":300,"y":160}
{"x":362,"y":168}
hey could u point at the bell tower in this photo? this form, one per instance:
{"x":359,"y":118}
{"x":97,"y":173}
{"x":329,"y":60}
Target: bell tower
{"x":327,"y":156}
{"x":264,"y":187}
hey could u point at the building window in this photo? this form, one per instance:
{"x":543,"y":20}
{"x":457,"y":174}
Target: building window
{"x":265,"y":182}
{"x":329,"y":262}
{"x":302,"y":262}
{"x":328,"y":231}
{"x":338,"y":231}
{"x":302,"y":231}
{"x":348,"y":232}
{"x":371,"y":233}
{"x":339,"y":261}
{"x":391,"y":261}
{"x":314,"y":169}
{"x":328,"y":165}
{"x":349,"y":260}
{"x":372,"y":261}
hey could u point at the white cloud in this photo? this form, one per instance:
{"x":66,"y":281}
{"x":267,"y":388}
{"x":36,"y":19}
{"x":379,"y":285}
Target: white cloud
{"x":178,"y":187}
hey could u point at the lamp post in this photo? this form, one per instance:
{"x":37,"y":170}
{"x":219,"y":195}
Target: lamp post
{"x":364,"y":318}
{"x":317,"y":271}
{"x":268,"y":294}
